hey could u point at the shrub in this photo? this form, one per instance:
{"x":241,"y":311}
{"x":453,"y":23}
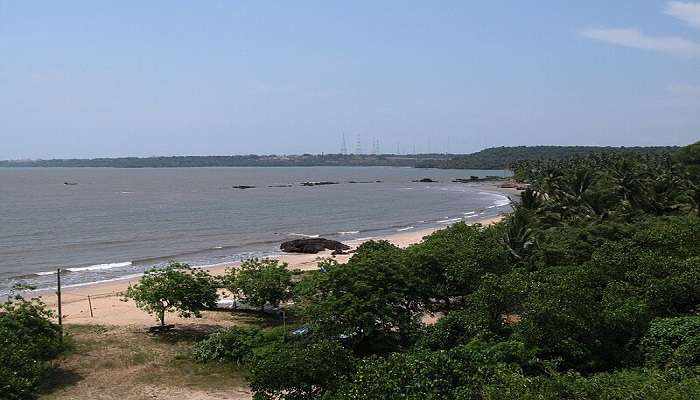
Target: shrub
{"x":28,"y":338}
{"x":234,"y":344}
{"x":673,"y":341}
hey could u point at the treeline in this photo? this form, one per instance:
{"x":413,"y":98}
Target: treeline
{"x":590,"y":289}
{"x":305,"y":160}
{"x":504,"y":157}
{"x":493,"y":158}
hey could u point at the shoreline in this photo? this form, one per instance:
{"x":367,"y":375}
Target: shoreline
{"x":109,"y":309}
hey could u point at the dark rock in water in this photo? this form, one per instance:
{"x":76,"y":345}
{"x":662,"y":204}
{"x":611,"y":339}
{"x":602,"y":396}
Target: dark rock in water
{"x":70,"y":183}
{"x":280,"y":186}
{"x":312,"y":245}
{"x":318,"y":183}
{"x":243,"y":187}
{"x":463,"y":180}
{"x":425,"y":180}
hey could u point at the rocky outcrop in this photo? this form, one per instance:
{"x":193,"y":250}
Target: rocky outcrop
{"x":243,"y":187}
{"x":312,"y":245}
{"x":425,"y":180}
{"x":319,"y":183}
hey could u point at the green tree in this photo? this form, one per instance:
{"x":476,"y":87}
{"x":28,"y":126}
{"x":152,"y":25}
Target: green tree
{"x":28,"y":339}
{"x":372,"y":299}
{"x":260,"y":282}
{"x":298,"y":371}
{"x":174,"y":288}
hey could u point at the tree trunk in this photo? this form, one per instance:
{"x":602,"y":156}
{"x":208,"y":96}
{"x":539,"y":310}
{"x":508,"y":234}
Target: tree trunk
{"x":162,"y":319}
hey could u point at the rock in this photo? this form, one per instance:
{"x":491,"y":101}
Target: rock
{"x":464,"y":180}
{"x":319,"y":183}
{"x":243,"y":187}
{"x":312,"y":245}
{"x":425,"y":180}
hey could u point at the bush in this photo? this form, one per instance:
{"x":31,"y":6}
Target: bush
{"x":28,"y":338}
{"x":298,"y":371}
{"x":233,"y":344}
{"x":674,"y":341}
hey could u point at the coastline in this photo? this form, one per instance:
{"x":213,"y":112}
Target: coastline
{"x":109,"y":309}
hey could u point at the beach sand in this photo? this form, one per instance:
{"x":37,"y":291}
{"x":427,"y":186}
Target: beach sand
{"x":108,"y":308}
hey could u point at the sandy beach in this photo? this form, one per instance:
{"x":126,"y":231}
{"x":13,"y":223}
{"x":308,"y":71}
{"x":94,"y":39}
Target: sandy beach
{"x":108,"y":308}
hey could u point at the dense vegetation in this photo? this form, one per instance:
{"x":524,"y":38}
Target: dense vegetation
{"x":28,"y":340}
{"x":504,"y":157}
{"x":590,"y":289}
{"x":493,"y":158}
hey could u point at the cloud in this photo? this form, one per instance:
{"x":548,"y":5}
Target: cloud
{"x":685,"y":11}
{"x":636,"y":39}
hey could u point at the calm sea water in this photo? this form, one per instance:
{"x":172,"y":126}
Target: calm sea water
{"x":118,"y":222}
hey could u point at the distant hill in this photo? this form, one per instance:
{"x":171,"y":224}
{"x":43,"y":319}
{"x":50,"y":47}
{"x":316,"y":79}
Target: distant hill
{"x":503,"y":157}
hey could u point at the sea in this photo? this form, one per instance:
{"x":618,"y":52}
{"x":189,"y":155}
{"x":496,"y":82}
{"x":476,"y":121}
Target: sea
{"x":102,"y":224}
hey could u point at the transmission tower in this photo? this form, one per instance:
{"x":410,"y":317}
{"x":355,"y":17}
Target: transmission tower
{"x":358,"y":145}
{"x":343,"y":146}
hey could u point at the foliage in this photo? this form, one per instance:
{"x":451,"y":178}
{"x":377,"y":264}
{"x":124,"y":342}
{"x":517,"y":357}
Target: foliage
{"x":28,"y":338}
{"x":176,"y":287}
{"x":503,"y":157}
{"x":449,"y":263}
{"x":233,"y":344}
{"x":673,"y":341}
{"x":298,"y":371}
{"x":372,"y":299}
{"x":260,"y":282}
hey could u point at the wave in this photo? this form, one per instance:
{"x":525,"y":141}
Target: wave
{"x":364,"y":238}
{"x":348,"y":232}
{"x":404,"y":229}
{"x":99,"y":267}
{"x":448,"y":220}
{"x":303,"y":235}
{"x":469,"y":212}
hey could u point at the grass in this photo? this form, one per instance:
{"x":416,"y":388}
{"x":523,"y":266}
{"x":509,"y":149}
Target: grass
{"x":127,"y":363}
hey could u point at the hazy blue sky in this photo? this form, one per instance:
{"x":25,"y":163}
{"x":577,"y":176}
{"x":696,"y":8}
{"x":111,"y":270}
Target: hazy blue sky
{"x":114,"y":78}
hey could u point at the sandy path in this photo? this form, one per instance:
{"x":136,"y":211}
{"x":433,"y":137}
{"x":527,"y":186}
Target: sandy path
{"x":109,"y":309}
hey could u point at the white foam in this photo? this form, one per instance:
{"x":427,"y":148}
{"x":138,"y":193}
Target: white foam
{"x":447,"y":221}
{"x":303,"y":235}
{"x":404,"y":229}
{"x":99,"y":267}
{"x":348,"y":232}
{"x":364,"y":238}
{"x":470,"y":213}
{"x":46,"y":273}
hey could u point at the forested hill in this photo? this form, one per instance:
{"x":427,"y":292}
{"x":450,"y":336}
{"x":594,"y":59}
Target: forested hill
{"x":492,"y":158}
{"x":504,"y":157}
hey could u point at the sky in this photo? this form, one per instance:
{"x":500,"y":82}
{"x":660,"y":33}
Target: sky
{"x":135,"y":78}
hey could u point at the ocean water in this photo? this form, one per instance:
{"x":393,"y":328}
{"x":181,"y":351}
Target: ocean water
{"x":118,"y":222}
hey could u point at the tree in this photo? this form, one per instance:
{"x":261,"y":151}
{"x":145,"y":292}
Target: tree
{"x":260,"y":282}
{"x":28,"y":338}
{"x":176,"y":287}
{"x":298,"y":371}
{"x":372,"y":300}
